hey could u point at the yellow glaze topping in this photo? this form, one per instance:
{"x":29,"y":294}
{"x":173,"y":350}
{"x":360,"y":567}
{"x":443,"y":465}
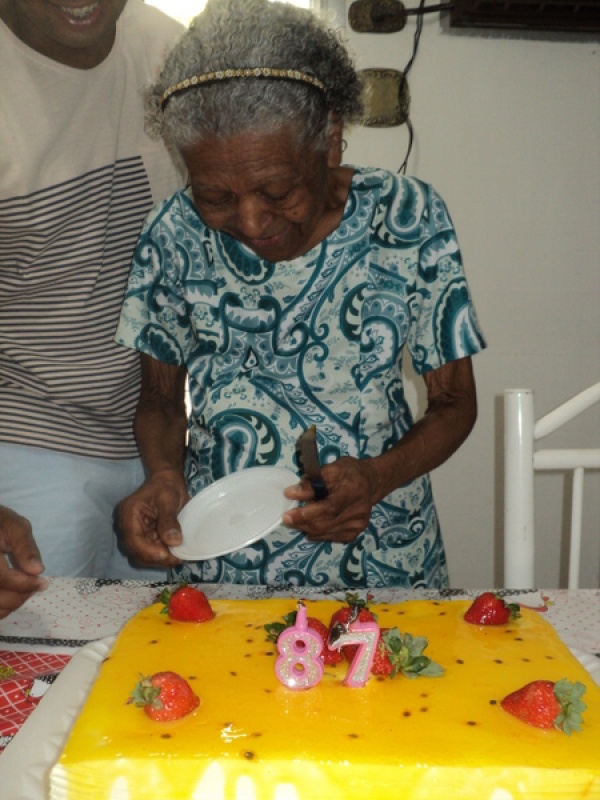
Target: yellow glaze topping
{"x":254,"y":739}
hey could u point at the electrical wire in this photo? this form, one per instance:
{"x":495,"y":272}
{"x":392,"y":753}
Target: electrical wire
{"x":416,"y":39}
{"x":411,"y":136}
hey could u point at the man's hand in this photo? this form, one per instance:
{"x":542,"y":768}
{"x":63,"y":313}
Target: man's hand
{"x":21,"y":565}
{"x":148,"y":519}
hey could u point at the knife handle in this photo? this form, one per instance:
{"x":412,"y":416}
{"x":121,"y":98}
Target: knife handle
{"x":319,"y":487}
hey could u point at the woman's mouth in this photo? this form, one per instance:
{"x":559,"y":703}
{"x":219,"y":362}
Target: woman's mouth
{"x":266,"y":243}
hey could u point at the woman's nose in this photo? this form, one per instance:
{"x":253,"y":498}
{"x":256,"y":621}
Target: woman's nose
{"x":253,"y":216}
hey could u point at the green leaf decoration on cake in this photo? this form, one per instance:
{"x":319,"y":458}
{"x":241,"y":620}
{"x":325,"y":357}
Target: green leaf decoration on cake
{"x":405,"y":653}
{"x":273,"y":629}
{"x":145,"y":693}
{"x":572,"y":707}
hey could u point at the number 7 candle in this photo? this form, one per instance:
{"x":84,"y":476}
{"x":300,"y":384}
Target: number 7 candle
{"x":366,"y":636}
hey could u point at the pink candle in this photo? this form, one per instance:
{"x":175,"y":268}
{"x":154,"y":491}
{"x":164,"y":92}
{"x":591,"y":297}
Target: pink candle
{"x":299,"y":665}
{"x":366,"y":636}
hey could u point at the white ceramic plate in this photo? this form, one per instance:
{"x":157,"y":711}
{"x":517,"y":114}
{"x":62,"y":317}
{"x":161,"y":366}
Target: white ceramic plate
{"x":234,"y":512}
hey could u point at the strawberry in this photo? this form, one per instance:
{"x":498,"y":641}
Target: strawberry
{"x":545,"y":704}
{"x":274,"y":629}
{"x":329,"y":656}
{"x":186,"y":604}
{"x":164,"y":696}
{"x":343,"y":614}
{"x":381,"y":663}
{"x":356,"y":610}
{"x":490,"y":609}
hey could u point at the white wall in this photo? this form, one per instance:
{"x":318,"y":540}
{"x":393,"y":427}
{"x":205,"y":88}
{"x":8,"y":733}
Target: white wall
{"x":507,"y":128}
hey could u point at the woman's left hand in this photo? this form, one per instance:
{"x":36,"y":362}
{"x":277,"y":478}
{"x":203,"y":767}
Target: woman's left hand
{"x":345,"y":512}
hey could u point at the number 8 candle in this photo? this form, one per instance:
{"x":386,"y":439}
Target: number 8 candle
{"x":299,"y":665}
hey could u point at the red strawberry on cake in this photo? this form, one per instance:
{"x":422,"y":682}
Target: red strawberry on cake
{"x":186,"y":604}
{"x":164,"y":696}
{"x":490,"y":609}
{"x":356,"y":610}
{"x":548,"y":704}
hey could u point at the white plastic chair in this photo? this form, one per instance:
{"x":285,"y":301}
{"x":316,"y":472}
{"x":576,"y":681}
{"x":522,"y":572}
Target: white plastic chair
{"x":521,"y":460}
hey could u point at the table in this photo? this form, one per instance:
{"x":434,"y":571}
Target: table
{"x":40,"y":638}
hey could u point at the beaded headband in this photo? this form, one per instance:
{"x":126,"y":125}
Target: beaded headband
{"x":246,"y":72}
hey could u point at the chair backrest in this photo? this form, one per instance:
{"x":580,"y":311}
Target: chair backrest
{"x":521,"y":459}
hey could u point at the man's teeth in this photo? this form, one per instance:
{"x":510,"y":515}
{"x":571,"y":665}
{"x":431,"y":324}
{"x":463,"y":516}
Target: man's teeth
{"x":81,"y":12}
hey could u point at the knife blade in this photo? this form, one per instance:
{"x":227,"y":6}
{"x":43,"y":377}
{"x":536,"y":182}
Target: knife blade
{"x":307,"y":454}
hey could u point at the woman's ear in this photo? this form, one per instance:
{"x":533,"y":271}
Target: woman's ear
{"x":336,"y":145}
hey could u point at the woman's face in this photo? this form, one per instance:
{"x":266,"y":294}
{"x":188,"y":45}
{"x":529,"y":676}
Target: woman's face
{"x":265,"y":190}
{"x":79,"y":33}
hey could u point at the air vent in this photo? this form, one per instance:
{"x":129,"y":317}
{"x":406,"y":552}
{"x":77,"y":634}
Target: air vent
{"x":552,"y":15}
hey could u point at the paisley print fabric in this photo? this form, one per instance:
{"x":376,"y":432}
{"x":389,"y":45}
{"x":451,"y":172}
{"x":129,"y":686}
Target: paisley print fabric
{"x":273,"y":348}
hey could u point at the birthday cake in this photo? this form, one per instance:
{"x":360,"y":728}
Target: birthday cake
{"x":251,"y":737}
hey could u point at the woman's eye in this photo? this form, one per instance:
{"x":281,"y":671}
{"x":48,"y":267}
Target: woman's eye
{"x":276,"y":197}
{"x":217,"y":201}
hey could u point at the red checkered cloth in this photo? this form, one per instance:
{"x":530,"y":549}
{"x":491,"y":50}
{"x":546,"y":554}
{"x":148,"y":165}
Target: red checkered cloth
{"x":24,"y":678}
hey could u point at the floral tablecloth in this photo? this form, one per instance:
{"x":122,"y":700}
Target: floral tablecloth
{"x":39,"y":639}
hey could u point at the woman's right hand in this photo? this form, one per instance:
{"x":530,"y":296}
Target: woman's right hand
{"x":148,"y":524}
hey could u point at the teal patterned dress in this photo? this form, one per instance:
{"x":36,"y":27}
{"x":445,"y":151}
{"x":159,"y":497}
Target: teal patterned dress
{"x":271,"y":348}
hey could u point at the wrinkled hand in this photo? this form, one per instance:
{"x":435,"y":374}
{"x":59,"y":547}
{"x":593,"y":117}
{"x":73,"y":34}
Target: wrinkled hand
{"x":148,"y":519}
{"x":21,"y":565}
{"x":345,"y":512}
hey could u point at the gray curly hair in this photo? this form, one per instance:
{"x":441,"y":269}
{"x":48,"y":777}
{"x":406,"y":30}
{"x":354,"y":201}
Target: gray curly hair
{"x":234,"y":34}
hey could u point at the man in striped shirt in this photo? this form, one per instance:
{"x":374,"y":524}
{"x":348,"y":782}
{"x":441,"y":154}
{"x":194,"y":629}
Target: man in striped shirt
{"x":78,"y":175}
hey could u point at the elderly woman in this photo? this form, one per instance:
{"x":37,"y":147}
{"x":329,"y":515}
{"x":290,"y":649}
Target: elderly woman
{"x":285,"y":286}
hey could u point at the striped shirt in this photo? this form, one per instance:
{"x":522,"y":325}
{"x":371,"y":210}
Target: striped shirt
{"x":77,"y":178}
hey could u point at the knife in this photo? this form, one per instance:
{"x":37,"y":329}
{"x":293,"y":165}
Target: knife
{"x":308,"y":460}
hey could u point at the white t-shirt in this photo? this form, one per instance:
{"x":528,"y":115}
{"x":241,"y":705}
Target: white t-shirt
{"x":78,"y":175}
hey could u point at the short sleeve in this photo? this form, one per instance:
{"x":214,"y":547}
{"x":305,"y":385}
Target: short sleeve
{"x":154,"y":318}
{"x":443,"y":325}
